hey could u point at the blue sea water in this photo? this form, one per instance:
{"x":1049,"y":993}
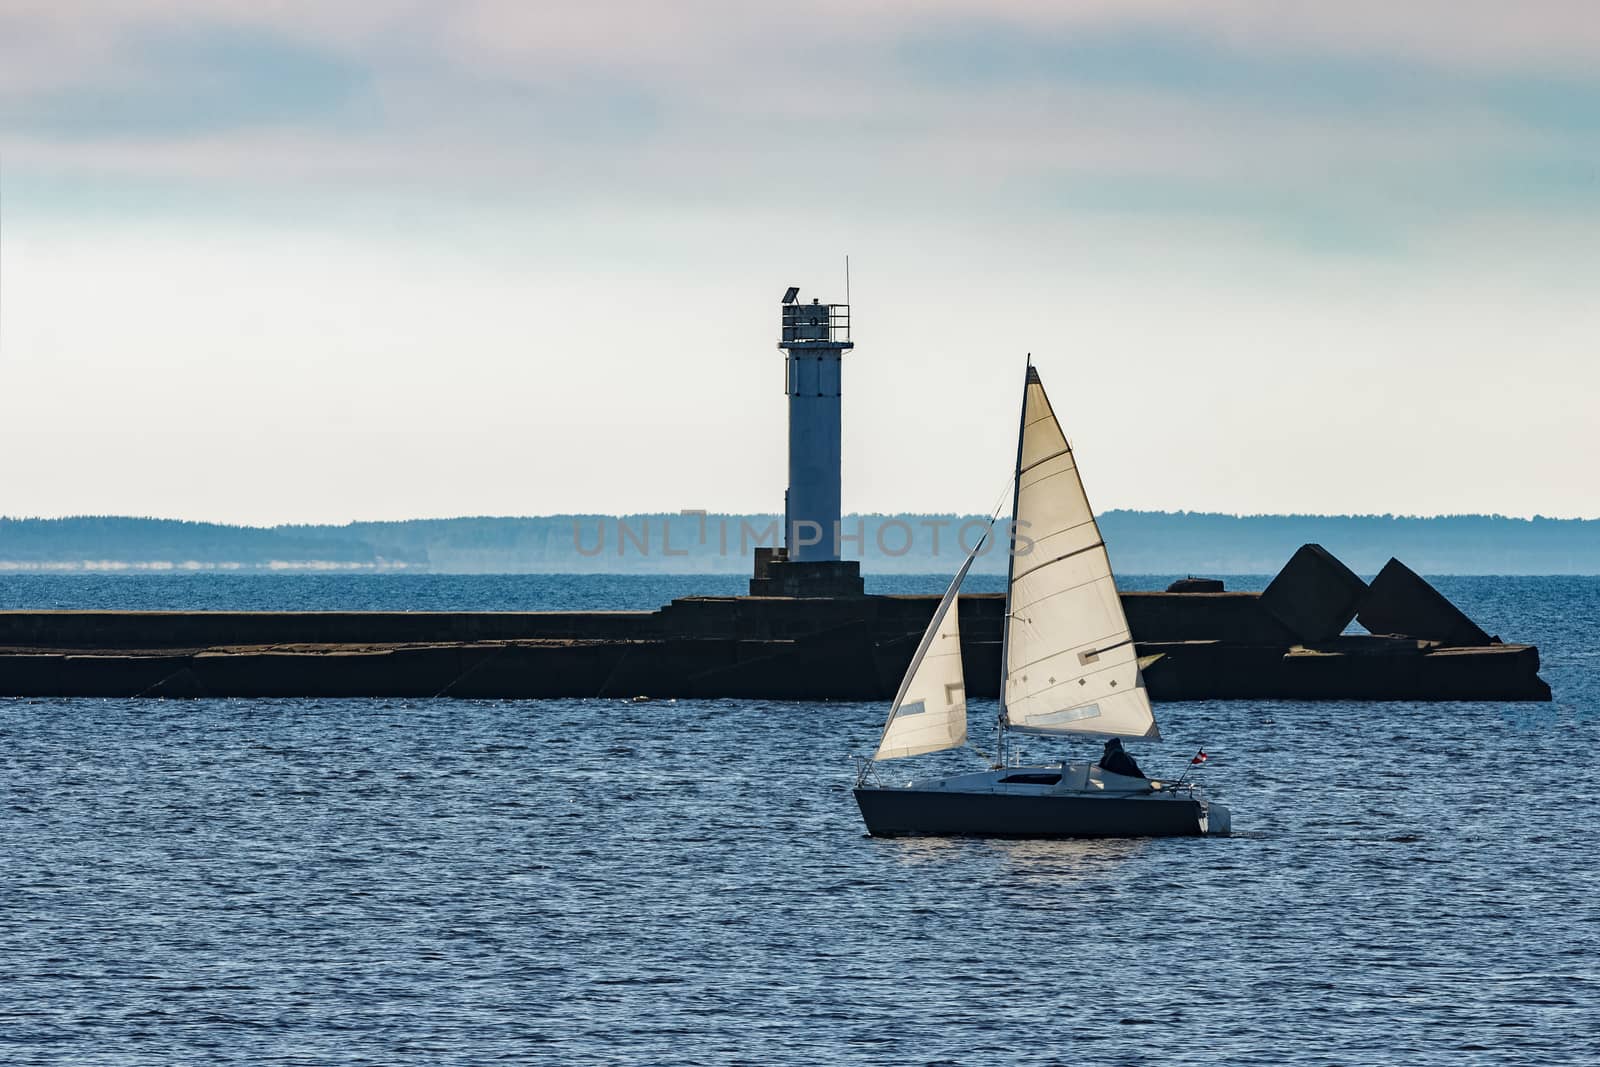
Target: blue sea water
{"x":595,"y":882}
{"x":415,"y":592}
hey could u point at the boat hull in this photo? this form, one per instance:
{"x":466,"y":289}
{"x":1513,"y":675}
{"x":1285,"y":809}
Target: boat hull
{"x":903,"y":812}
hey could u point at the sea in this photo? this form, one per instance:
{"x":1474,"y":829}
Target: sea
{"x":320,"y":882}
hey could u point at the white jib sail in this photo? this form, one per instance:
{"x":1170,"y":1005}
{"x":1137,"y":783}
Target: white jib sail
{"x":1071,"y":666}
{"x":930,"y":711}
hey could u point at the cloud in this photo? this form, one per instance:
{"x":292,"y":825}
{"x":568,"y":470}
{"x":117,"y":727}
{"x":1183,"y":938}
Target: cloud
{"x":1300,"y":250}
{"x":194,"y":81}
{"x":1320,"y":127}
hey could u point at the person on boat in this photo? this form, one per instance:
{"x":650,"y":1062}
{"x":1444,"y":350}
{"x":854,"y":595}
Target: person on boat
{"x":1115,"y":759}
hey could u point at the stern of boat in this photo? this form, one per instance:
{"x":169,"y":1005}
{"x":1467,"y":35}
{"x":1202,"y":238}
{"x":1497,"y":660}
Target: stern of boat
{"x":1215,"y":819}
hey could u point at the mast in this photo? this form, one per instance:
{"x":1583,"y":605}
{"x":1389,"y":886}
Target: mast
{"x":1011,"y":565}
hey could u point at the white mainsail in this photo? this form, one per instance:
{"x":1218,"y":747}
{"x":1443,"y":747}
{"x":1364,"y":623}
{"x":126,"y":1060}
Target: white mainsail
{"x":930,"y":711}
{"x":1070,"y":662}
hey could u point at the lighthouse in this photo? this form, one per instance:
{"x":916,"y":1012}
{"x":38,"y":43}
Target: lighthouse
{"x":814,"y":338}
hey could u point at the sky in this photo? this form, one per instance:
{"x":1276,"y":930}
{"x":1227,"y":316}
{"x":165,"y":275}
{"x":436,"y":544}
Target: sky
{"x":274,"y":262}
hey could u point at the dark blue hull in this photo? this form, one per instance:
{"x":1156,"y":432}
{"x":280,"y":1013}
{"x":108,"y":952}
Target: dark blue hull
{"x":902,"y":812}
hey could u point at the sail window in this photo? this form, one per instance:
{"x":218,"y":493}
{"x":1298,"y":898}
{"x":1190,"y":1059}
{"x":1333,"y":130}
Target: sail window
{"x":1088,"y":711}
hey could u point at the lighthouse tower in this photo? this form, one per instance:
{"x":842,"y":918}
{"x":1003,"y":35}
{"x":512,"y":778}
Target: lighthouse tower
{"x":814,"y":338}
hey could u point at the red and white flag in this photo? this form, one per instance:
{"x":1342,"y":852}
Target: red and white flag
{"x":1200,"y":757}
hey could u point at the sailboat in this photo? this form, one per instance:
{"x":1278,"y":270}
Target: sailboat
{"x":1069,"y":668}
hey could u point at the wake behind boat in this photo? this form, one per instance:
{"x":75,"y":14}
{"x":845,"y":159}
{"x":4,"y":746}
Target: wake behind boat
{"x":1070,"y":667}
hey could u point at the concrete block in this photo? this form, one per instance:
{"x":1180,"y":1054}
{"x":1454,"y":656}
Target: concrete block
{"x":1326,"y":674}
{"x":331,"y":671}
{"x":114,"y":676}
{"x":30,"y":675}
{"x":1210,"y":670}
{"x":1401,"y":602}
{"x":1235,"y":617}
{"x":1495,"y":672}
{"x":1192,"y":584}
{"x":1491,"y":672}
{"x":531,"y":669}
{"x":764,"y":558}
{"x":1315,"y":596}
{"x":836,"y":665}
{"x":664,"y":668}
{"x":811,"y":578}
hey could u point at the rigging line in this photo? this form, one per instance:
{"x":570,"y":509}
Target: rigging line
{"x":187,"y":663}
{"x":1000,"y":501}
{"x":1029,"y":376}
{"x":459,"y":678}
{"x":1187,"y":768}
{"x":954,"y":596}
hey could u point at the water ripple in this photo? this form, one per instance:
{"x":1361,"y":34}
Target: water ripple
{"x":439,"y":882}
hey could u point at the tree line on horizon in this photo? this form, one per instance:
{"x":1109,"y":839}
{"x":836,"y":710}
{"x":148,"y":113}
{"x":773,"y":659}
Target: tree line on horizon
{"x":1140,"y":542}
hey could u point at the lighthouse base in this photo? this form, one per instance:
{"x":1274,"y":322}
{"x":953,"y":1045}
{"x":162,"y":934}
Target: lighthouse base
{"x":777,"y":575}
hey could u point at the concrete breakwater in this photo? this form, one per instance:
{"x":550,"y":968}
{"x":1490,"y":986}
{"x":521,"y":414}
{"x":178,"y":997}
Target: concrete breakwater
{"x":1194,"y":646}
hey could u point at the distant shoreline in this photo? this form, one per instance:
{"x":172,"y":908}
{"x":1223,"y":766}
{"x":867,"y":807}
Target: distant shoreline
{"x":1140,"y":542}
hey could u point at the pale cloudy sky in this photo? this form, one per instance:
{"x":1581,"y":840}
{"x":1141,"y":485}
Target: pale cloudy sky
{"x":270,"y":262}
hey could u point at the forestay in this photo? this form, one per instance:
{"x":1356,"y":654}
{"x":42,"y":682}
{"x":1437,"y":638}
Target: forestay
{"x":930,"y":711}
{"x":1071,"y":666}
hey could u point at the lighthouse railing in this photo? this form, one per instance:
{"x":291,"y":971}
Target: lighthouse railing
{"x":818,"y":324}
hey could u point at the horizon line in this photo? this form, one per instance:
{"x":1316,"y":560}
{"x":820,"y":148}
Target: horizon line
{"x":697,"y":513}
